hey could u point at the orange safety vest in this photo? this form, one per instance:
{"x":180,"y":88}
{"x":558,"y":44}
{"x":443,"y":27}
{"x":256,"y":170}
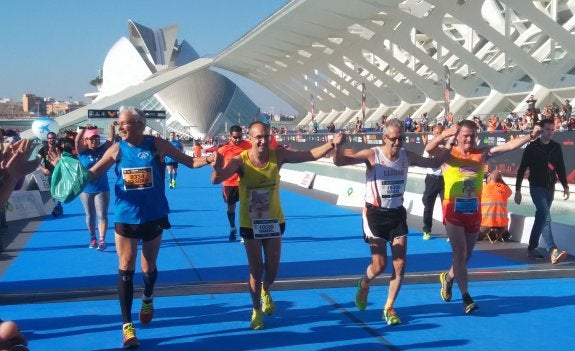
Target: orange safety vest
{"x":494,"y":205}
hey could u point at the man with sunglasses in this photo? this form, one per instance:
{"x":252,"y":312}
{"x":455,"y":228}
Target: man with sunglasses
{"x":230,"y":191}
{"x":262,"y":222}
{"x":384,"y":218}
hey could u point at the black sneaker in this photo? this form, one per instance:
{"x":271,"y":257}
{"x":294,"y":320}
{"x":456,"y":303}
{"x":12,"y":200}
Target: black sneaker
{"x":232,"y":236}
{"x":469,"y":304}
{"x":537,"y":253}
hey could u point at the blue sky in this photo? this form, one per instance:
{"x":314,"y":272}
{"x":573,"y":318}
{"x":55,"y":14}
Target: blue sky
{"x":54,"y":48}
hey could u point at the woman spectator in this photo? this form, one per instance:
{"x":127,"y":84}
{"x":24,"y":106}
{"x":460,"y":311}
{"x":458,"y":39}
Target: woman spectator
{"x":96,"y":195}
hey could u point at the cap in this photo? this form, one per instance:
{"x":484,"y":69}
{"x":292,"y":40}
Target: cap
{"x":90,"y":133}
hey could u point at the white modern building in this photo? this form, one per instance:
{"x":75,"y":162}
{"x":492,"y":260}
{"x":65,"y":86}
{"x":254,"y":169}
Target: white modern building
{"x":321,"y":53}
{"x":498,"y":52}
{"x":202,"y":103}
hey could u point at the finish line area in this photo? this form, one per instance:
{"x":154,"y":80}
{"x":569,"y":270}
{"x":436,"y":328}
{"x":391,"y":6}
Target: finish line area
{"x":63,"y":295}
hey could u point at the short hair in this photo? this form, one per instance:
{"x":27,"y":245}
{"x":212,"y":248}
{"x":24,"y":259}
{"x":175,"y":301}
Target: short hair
{"x":235,"y":129}
{"x":468,"y":124}
{"x":136,"y":113}
{"x":393,"y":122}
{"x":545,"y":121}
{"x":258,"y":122}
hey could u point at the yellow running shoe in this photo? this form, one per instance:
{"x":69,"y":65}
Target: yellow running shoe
{"x":268,"y":305}
{"x":445,"y":287}
{"x":257,"y":322}
{"x":470,"y":306}
{"x":557,"y":256}
{"x":390,"y":316}
{"x":426,"y":236}
{"x":130,"y":339}
{"x":361,"y":296}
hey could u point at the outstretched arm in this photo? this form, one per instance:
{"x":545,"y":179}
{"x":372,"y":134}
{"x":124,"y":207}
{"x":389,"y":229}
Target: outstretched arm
{"x":14,"y":164}
{"x":164,"y":147}
{"x":288,"y":156}
{"x":441,"y":156}
{"x":221,"y":173}
{"x":363,"y":156}
{"x":447,"y":136}
{"x":513,"y":143}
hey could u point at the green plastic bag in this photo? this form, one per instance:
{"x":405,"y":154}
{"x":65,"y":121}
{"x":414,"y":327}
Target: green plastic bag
{"x":68,"y":179}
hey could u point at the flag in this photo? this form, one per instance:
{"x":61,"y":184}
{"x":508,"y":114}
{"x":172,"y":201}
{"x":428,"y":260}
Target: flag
{"x":312,"y":110}
{"x":362,"y":101}
{"x":447,"y":91}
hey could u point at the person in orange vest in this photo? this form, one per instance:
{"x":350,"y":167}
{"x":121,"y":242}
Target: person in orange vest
{"x":197,"y":149}
{"x":494,"y":218}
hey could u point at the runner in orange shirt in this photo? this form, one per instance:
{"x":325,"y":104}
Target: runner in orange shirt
{"x":197,"y":149}
{"x":230,"y":186}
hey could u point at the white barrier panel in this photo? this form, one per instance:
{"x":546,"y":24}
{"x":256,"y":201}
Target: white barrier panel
{"x":41,"y":180}
{"x":24,"y":204}
{"x":351,"y":194}
{"x":307,"y":179}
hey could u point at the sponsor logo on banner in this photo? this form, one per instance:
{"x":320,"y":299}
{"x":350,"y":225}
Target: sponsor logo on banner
{"x":501,"y":141}
{"x":307,"y":179}
{"x":351,"y":194}
{"x":24,"y":204}
{"x":41,"y":180}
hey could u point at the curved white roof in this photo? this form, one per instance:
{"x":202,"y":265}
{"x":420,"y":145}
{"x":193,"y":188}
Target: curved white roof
{"x":498,"y":52}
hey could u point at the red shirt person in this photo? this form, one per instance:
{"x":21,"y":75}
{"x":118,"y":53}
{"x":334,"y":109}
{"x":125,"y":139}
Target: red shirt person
{"x":230,"y":189}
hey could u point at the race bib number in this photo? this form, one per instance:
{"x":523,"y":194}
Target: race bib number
{"x":266,"y":228}
{"x":137,"y":178}
{"x":466,"y":205}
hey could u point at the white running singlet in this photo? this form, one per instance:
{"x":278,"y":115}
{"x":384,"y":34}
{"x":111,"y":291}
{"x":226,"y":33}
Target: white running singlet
{"x":385,"y":180}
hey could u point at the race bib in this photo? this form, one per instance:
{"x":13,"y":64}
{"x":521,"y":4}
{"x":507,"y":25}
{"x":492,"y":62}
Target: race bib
{"x":466,"y":205}
{"x":266,"y":228}
{"x":137,"y":178}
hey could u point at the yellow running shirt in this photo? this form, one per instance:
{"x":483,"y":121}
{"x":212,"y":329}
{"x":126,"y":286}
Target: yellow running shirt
{"x":260,"y":198}
{"x":463,"y":178}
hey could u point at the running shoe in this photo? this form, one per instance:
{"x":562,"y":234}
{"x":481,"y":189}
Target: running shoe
{"x":130,"y":339}
{"x":232,"y":236}
{"x":445,"y":287}
{"x":93,"y":242}
{"x":426,"y":235}
{"x":537,"y":253}
{"x":268,"y":305}
{"x":173,"y":184}
{"x":361,"y":296}
{"x":102,"y":246}
{"x":470,"y":306}
{"x":390,"y":316}
{"x":147,"y":312}
{"x":557,"y":256}
{"x":257,"y":322}
{"x":58,"y":210}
